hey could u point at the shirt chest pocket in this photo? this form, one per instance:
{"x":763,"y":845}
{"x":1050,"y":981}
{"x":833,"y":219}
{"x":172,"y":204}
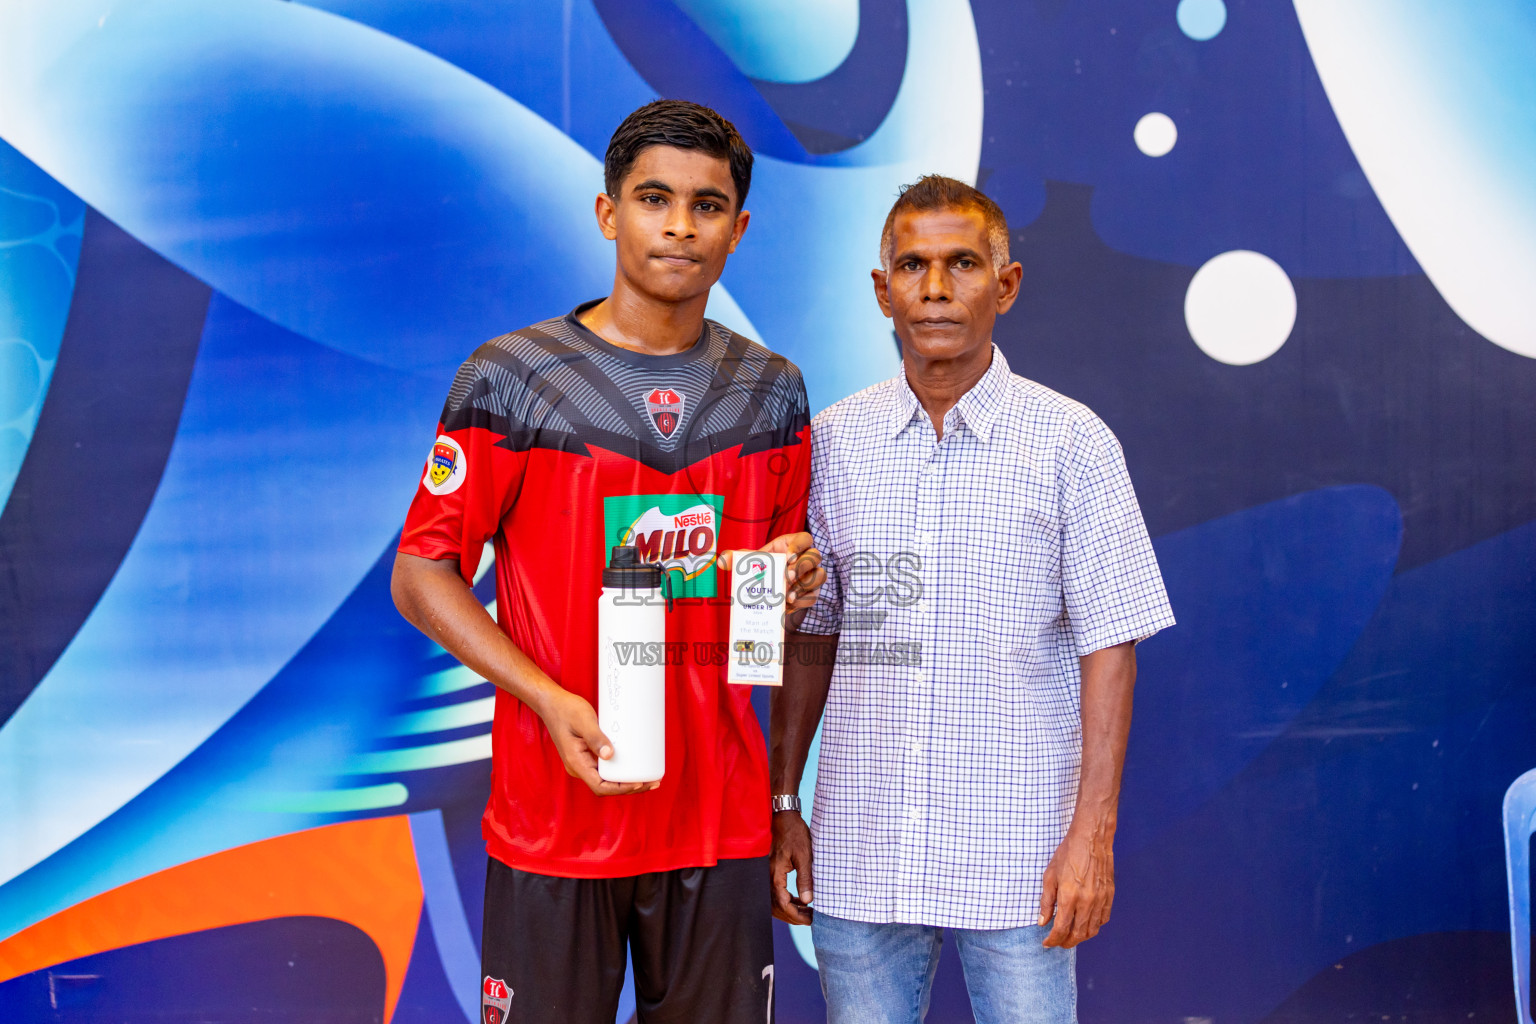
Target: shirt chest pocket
{"x":876,"y":510}
{"x":1034,"y":525}
{"x":1023,"y":532}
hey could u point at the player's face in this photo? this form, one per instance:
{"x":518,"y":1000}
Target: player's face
{"x":675,"y":221}
{"x":941,"y":290}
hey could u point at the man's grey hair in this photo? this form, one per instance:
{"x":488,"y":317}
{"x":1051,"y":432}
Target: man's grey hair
{"x":936,"y":192}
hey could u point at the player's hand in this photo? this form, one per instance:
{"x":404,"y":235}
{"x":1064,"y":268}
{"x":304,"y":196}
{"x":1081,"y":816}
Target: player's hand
{"x":1079,"y":889}
{"x":572,"y":724}
{"x":791,"y":852}
{"x":803,"y":574}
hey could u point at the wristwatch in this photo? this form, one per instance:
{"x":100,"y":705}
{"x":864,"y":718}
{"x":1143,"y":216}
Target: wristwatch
{"x":783,"y":802}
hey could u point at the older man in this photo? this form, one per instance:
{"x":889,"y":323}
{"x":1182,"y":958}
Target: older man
{"x":988,"y":576}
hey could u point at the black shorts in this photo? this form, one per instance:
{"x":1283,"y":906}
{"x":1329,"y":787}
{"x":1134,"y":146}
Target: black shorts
{"x":701,"y":939}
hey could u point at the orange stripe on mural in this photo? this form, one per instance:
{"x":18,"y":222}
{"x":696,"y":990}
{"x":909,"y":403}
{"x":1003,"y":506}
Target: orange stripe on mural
{"x":360,"y":872}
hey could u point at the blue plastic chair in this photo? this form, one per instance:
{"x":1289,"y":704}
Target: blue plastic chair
{"x":1519,"y":824}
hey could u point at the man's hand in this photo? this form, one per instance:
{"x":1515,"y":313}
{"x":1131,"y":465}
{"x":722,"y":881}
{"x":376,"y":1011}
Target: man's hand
{"x":1079,"y":884}
{"x":572,"y":724}
{"x":803,"y":574}
{"x":794,"y":710}
{"x":791,"y":852}
{"x":1079,"y":889}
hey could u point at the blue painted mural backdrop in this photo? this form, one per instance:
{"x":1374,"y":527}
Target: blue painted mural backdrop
{"x":1285,"y":250}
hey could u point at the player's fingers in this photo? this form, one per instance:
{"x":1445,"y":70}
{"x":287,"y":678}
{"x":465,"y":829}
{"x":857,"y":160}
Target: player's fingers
{"x":791,"y":544}
{"x":603,"y":787}
{"x":725,"y":560}
{"x":803,"y":570}
{"x":579,"y":762}
{"x":587,"y":774}
{"x":593,"y":736}
{"x":810,"y":576}
{"x":803,"y":594}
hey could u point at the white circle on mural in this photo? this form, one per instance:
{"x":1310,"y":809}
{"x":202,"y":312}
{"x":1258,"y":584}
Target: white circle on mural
{"x":1201,"y":19}
{"x":1240,"y":307}
{"x":1155,"y":134}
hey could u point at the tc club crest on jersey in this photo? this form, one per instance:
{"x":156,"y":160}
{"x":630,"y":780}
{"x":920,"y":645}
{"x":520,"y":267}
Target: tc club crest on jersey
{"x":445,"y":467}
{"x":495,"y":1001}
{"x":666,"y":409}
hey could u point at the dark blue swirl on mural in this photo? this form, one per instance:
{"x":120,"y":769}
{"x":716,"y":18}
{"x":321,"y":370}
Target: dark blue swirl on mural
{"x":101,"y":442}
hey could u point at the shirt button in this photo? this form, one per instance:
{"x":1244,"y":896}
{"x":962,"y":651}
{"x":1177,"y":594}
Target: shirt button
{"x":917,"y":748}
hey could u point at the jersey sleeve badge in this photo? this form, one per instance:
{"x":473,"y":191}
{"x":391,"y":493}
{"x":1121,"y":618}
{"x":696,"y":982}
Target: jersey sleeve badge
{"x":445,"y":468}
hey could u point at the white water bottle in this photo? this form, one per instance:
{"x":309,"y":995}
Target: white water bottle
{"x":631,"y":669}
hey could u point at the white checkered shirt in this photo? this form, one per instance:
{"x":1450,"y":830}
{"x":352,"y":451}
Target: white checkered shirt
{"x":965,"y":576}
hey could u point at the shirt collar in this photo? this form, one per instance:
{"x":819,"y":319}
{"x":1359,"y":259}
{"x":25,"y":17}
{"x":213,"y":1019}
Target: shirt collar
{"x":978,"y":408}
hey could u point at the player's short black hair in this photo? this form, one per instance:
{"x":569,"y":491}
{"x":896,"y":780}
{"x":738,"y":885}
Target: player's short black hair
{"x":936,"y":192}
{"x":684,"y":125}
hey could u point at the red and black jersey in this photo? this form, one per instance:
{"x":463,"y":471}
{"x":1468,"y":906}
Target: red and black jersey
{"x":556,"y":446}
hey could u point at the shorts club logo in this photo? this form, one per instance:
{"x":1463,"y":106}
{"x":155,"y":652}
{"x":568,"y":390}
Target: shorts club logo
{"x":445,"y":468}
{"x":495,"y":1001}
{"x":666,"y":409}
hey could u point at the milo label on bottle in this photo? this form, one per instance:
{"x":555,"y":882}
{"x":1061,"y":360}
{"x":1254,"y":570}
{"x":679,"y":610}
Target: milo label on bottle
{"x":681,"y":531}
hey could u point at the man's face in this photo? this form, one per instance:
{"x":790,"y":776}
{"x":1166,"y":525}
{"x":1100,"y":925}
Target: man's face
{"x":675,"y":221}
{"x":942,"y":290}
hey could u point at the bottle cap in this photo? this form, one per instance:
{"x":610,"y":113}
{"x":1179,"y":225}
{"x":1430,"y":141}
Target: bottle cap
{"x":626,"y":571}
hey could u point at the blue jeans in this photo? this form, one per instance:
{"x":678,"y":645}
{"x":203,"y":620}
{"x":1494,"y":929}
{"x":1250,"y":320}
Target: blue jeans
{"x":883,"y":973}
